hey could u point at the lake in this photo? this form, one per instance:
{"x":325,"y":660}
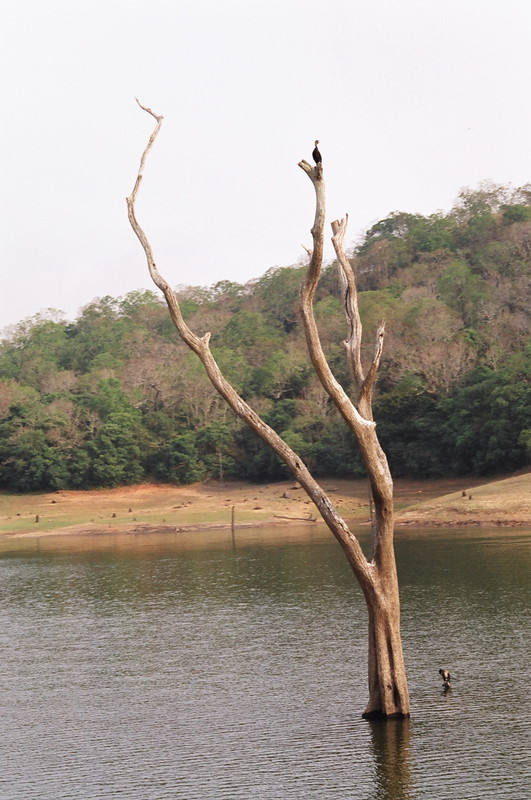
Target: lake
{"x":205,"y":666}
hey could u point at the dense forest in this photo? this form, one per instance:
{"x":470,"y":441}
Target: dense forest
{"x":115,"y":398}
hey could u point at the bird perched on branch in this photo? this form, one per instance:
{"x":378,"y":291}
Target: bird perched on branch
{"x":445,"y":675}
{"x":316,"y":155}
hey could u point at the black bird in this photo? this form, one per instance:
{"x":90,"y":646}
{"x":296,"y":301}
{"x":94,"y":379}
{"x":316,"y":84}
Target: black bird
{"x":316,"y":155}
{"x":445,"y":675}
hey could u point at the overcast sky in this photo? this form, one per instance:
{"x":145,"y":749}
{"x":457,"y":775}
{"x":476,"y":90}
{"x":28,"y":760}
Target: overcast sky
{"x":411,"y":99}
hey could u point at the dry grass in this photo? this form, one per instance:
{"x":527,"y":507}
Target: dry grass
{"x":210,"y":505}
{"x":501,"y":502}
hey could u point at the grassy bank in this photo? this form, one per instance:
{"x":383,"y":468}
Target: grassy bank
{"x":501,"y":502}
{"x":212,"y":504}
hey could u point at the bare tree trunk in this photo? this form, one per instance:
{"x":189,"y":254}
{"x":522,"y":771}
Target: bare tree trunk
{"x":388,"y":695}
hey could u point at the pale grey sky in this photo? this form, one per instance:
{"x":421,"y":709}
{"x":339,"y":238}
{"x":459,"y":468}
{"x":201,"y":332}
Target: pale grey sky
{"x":411,"y":99}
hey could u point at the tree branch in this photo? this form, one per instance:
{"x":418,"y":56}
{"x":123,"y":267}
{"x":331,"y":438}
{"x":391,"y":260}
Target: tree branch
{"x":387,"y":682}
{"x":200,"y":345}
{"x":361,"y":424}
{"x":364,"y":385}
{"x":368,"y":384}
{"x":347,"y":409}
{"x":350,"y":301}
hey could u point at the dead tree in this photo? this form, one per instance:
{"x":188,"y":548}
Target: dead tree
{"x":388,"y":692}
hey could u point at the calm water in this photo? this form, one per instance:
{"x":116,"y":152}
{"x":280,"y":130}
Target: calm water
{"x":200,"y":667}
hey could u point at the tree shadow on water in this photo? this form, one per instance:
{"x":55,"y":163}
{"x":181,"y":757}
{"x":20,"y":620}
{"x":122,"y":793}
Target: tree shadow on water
{"x":391,"y":752}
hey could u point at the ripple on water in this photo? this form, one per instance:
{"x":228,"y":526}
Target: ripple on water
{"x":242,"y":675}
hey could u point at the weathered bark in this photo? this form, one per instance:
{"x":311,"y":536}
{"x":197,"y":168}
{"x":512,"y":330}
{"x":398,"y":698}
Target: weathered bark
{"x":388,"y":696}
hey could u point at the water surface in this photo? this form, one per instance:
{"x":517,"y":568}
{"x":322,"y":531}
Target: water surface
{"x":202,"y":666}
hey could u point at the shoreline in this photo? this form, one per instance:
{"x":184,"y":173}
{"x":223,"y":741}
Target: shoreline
{"x":215,"y":505}
{"x":165,"y":528}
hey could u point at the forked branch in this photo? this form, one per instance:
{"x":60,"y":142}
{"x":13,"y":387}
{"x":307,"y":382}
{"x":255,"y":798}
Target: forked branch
{"x":357,"y":416}
{"x":335,"y":391}
{"x":350,"y":300}
{"x":387,"y":684}
{"x":364,"y":384}
{"x":200,"y":345}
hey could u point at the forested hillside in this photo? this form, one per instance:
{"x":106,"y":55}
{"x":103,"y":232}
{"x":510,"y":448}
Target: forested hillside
{"x":115,"y":398}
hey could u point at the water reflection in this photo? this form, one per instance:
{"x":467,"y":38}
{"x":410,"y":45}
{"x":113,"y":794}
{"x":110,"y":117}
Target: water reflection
{"x":391,"y":750}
